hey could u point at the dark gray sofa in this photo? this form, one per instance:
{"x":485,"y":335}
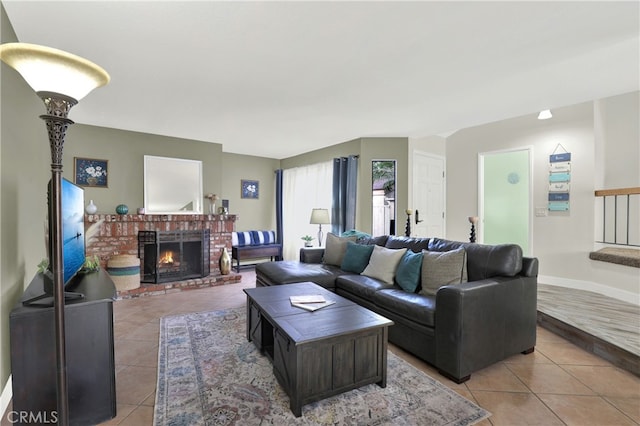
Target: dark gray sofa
{"x":464,"y":327}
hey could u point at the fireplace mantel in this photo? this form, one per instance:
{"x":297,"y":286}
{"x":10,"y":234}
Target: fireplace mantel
{"x":110,"y":234}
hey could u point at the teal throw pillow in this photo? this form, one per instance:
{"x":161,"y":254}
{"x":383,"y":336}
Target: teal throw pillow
{"x":356,"y":257}
{"x":409,"y":271}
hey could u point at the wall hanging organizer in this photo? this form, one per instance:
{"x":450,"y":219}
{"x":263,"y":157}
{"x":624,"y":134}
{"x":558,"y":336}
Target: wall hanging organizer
{"x":559,"y":179}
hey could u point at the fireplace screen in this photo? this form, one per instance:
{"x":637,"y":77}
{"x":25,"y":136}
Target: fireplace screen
{"x":173,"y":255}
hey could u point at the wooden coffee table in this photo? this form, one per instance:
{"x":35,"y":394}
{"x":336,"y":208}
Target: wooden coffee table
{"x":317,"y":354}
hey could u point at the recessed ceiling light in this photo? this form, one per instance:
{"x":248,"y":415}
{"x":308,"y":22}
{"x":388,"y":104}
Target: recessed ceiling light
{"x":544,"y":115}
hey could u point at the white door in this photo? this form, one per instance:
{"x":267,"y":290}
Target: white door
{"x":428,"y":195}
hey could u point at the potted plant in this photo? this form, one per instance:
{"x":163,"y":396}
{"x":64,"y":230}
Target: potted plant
{"x":43,"y":266}
{"x":91,"y":264}
{"x":307,"y":240}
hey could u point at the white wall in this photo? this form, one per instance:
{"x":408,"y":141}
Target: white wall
{"x":617,"y":138}
{"x":562,"y":240}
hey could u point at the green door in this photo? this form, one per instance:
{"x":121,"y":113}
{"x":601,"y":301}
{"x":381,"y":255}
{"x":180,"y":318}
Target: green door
{"x":505,"y":198}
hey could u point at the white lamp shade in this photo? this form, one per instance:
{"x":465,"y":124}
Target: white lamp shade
{"x":319,"y":217}
{"x":46,"y":69}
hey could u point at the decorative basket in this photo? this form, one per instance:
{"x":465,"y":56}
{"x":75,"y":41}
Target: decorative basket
{"x":124,"y":270}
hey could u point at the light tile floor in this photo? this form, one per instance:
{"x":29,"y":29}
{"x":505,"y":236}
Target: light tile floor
{"x":558,"y":384}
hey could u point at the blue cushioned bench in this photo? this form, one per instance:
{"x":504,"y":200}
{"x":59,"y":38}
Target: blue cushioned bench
{"x":253,"y":245}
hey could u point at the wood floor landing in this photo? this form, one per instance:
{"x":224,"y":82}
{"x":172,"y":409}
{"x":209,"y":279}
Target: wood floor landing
{"x":605,"y":326}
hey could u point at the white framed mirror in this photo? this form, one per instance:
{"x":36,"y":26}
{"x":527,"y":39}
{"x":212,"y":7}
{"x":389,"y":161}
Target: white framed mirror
{"x":172,"y":185}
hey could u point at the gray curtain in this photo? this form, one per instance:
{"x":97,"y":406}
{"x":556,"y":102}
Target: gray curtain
{"x":345,"y":180}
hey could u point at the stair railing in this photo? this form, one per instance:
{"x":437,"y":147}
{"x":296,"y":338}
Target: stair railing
{"x":620,"y":216}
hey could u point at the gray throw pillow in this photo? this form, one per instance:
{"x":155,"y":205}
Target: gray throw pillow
{"x":335,"y":248}
{"x":443,"y":268}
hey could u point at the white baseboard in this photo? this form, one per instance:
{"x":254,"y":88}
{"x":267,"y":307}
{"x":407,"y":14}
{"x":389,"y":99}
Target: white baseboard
{"x":625,"y":296}
{"x":5,"y":397}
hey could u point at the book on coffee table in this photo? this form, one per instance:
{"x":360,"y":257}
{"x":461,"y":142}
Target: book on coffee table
{"x":311,"y":298}
{"x":311,"y":302}
{"x":313,"y":306}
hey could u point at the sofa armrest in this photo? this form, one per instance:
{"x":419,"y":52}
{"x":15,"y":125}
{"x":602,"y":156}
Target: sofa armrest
{"x":479,"y":323}
{"x":311,"y":254}
{"x":529,"y":267}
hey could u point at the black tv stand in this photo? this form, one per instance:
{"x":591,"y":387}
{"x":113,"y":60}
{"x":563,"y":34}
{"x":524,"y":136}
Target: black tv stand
{"x":89,"y":349}
{"x":45,"y":299}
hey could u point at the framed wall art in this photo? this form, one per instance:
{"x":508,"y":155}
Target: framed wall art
{"x":249,"y":189}
{"x":91,"y":172}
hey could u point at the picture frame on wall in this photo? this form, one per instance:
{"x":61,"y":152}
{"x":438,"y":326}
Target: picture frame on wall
{"x":249,"y":189}
{"x":91,"y":172}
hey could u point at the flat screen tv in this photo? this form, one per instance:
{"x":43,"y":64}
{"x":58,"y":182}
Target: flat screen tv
{"x":73,"y":243}
{"x":73,"y":255}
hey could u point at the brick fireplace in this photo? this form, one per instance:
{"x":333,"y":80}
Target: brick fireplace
{"x":107,"y":235}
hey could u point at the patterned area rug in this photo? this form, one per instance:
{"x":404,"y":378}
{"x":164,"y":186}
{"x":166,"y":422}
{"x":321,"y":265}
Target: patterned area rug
{"x":209,"y":374}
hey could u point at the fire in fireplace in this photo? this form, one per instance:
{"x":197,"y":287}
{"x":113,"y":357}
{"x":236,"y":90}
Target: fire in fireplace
{"x":173,"y":255}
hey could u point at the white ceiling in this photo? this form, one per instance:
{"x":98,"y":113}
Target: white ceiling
{"x":276,"y":79}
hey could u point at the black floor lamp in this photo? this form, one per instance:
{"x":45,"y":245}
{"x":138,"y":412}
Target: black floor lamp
{"x":60,"y":79}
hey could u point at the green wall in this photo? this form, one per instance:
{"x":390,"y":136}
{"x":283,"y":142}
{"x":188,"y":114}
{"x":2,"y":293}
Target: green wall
{"x":222,"y":172}
{"x":24,"y":172}
{"x":252,"y":214}
{"x":125,"y":151}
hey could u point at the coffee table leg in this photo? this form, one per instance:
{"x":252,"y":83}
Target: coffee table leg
{"x":383,"y":358}
{"x":248,"y":319}
{"x":296,"y":408}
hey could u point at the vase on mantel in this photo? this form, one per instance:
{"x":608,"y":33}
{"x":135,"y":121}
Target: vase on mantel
{"x":91,"y":208}
{"x":122,"y":209}
{"x":225,"y":262}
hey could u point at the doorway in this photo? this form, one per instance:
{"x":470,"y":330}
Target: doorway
{"x":428,"y":195}
{"x":383,"y":197}
{"x":505,"y":198}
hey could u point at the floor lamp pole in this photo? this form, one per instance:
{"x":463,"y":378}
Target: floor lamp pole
{"x":56,"y":120}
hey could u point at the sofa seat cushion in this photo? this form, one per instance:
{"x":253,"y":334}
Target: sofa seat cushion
{"x":360,"y":285}
{"x":291,"y":271}
{"x":415,"y":307}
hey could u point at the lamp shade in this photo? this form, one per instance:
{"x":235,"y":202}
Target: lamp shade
{"x":319,"y":217}
{"x":46,"y":69}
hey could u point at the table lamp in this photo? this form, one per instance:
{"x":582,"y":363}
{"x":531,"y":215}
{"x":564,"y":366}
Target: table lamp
{"x":319,"y":217}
